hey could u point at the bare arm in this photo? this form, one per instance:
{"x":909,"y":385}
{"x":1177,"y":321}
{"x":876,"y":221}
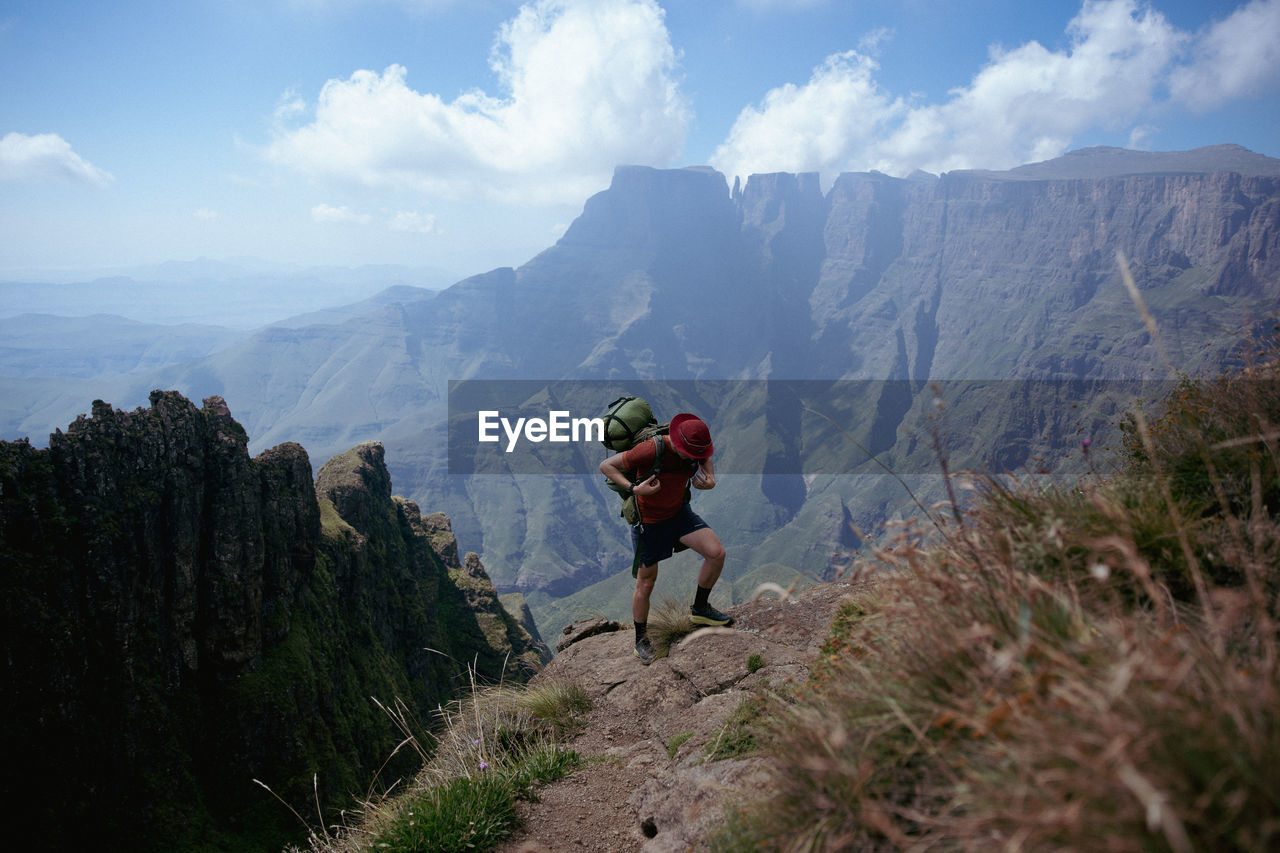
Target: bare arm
{"x":614,"y":472}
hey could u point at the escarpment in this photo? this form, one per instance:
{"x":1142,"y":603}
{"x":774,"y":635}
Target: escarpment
{"x":180,"y":619}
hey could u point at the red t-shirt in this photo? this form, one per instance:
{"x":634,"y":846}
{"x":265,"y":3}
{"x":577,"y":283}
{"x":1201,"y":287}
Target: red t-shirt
{"x":673,"y":478}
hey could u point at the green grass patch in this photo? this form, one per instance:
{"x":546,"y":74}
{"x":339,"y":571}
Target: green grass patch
{"x":744,"y":732}
{"x":466,"y":813}
{"x":675,"y":742}
{"x":484,"y":753}
{"x":477,"y":811}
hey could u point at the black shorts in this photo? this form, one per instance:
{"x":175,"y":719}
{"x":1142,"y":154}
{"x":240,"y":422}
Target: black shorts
{"x":657,"y":540}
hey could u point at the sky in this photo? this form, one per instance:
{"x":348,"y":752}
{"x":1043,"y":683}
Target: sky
{"x":467,"y":134}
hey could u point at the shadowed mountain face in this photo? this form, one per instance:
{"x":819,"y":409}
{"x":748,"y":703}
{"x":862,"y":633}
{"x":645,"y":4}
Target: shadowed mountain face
{"x":671,"y":275}
{"x":180,"y":619}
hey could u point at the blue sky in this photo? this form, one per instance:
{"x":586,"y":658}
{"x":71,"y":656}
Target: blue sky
{"x":467,"y":135}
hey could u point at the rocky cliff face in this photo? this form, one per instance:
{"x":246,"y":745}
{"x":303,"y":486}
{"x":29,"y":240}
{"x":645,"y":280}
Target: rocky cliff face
{"x":977,"y":277}
{"x":180,"y":619}
{"x":671,"y":274}
{"x":968,"y":275}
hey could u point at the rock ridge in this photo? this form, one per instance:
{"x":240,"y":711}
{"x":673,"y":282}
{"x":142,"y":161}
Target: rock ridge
{"x":181,"y":619}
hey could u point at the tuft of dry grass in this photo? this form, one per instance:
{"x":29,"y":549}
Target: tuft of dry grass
{"x":669,"y":623}
{"x":1093,"y":667}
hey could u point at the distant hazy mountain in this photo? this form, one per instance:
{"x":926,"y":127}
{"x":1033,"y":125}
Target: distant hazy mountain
{"x":244,"y":295}
{"x":33,"y":345}
{"x":1105,"y":162}
{"x":672,"y":275}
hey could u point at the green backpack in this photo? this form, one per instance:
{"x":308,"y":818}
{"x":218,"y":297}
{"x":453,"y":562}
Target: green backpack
{"x":628,"y":421}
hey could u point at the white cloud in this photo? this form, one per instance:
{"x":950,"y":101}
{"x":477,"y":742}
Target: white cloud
{"x":811,"y":127}
{"x":340,"y":214}
{"x":1026,"y":104}
{"x":413,"y":222}
{"x":46,"y":156}
{"x":1236,"y":57}
{"x":205,"y":214}
{"x":1140,"y":137}
{"x":586,"y":84}
{"x":289,"y":107}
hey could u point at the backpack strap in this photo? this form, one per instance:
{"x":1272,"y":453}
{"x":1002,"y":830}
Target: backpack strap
{"x":658,"y":447}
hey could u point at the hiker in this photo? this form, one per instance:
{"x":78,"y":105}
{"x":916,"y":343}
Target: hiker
{"x":668,"y":523}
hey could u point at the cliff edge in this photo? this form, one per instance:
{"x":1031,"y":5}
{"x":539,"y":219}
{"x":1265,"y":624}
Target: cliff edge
{"x":180,"y":620}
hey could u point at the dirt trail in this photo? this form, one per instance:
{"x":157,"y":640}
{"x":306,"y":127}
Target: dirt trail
{"x":633,"y":796}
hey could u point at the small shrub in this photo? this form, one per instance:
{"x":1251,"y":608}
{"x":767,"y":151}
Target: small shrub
{"x":1209,"y":438}
{"x":754,"y":662}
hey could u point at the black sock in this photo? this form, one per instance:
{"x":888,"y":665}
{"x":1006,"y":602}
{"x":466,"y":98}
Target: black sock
{"x":641,"y":628}
{"x":700,"y":599}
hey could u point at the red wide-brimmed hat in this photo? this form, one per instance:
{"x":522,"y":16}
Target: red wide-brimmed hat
{"x":690,"y":436}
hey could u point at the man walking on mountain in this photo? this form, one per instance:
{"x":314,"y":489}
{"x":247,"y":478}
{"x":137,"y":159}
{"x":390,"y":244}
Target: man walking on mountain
{"x":667,"y":522}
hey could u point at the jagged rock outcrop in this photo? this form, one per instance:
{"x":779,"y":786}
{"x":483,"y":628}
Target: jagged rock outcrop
{"x":180,"y":619}
{"x":583,"y":628}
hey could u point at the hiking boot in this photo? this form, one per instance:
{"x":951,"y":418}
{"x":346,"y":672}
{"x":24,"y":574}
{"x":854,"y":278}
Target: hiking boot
{"x":708,"y":615}
{"x":644,"y":651}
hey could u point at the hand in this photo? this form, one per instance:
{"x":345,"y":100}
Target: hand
{"x":703,"y":479}
{"x":648,"y":487}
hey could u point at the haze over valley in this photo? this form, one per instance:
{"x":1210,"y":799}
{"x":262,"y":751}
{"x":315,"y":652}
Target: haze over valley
{"x":266,"y":268}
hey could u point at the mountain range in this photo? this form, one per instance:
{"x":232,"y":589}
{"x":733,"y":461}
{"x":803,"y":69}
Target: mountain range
{"x":245,"y":294}
{"x":885,"y":285}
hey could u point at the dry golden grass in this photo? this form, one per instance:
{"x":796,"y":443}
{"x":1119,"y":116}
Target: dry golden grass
{"x":1093,"y":667}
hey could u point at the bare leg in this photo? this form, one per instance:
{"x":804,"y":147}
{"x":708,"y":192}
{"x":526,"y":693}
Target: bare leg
{"x":707,"y":545}
{"x":646,"y":577}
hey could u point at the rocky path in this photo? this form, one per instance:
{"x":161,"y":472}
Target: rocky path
{"x":648,"y":785}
